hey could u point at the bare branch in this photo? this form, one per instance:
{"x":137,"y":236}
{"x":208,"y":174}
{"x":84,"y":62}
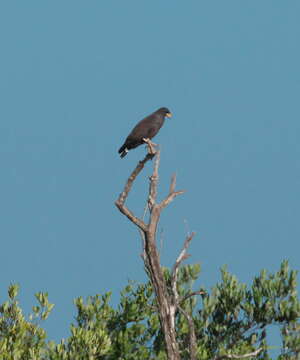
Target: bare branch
{"x":138,"y":222}
{"x":192,"y":334}
{"x":142,"y":233}
{"x":174,"y":276}
{"x":172,"y":194}
{"x":151,"y":146}
{"x":182,"y":256}
{"x":173,"y":184}
{"x":187,"y":226}
{"x":194,"y":293}
{"x":244,"y":356}
{"x":153,"y":182}
{"x":124,"y":194}
{"x":170,"y":198}
{"x":132,"y":177}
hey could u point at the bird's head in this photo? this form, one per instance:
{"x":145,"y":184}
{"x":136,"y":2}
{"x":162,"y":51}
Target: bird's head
{"x":165,"y":112}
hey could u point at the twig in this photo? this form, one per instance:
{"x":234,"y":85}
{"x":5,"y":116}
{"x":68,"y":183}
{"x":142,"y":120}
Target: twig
{"x":194,"y":293}
{"x":174,"y":276}
{"x":187,"y":228}
{"x":244,"y":356}
{"x":172,"y":193}
{"x":182,"y":256}
{"x":173,"y":183}
{"x":170,"y":198}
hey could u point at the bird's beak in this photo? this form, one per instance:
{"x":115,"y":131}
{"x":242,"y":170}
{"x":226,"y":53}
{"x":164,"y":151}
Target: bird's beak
{"x":168,"y":115}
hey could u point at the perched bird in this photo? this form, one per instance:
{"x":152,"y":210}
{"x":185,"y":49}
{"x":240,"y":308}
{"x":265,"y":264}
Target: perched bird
{"x":145,"y":129}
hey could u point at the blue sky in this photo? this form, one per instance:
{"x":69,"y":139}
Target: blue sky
{"x":76,"y":76}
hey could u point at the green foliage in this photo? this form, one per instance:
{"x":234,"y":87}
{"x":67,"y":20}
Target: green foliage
{"x":231,"y":318}
{"x":236,"y":318}
{"x":21,"y":339}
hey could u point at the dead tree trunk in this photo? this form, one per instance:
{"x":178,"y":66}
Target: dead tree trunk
{"x":167,"y":299}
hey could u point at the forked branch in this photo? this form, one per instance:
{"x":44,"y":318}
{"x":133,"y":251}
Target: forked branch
{"x":172,"y":194}
{"x":167,"y":304}
{"x":120,"y":203}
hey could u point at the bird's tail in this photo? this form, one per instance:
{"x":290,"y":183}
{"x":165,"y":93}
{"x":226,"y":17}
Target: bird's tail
{"x":123,"y":151}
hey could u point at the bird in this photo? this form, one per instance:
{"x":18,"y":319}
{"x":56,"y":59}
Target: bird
{"x":145,"y":129}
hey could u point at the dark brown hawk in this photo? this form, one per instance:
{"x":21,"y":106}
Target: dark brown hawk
{"x":145,"y":129}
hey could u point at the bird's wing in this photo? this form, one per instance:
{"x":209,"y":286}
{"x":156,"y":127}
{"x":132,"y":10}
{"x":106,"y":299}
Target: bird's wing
{"x":141,"y":129}
{"x":152,"y":131}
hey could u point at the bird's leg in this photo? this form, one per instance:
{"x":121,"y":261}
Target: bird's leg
{"x":151,"y":145}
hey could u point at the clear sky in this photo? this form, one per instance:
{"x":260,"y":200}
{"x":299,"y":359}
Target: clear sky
{"x":75,"y":77}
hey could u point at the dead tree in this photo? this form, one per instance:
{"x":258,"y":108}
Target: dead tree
{"x":168,"y":300}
